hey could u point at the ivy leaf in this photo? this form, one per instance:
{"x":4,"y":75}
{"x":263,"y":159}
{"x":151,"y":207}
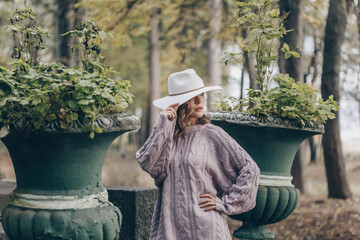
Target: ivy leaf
{"x":274,"y":13}
{"x":288,"y":55}
{"x":295,"y":54}
{"x":63,"y":125}
{"x":98,"y":129}
{"x":3,"y":70}
{"x":4,"y":131}
{"x":3,"y":102}
{"x":92,"y":135}
{"x":241,"y":4}
{"x":106,"y":95}
{"x":51,"y":117}
{"x":84,"y":102}
{"x":285,"y":48}
{"x":36,"y":100}
{"x":38,"y":123}
{"x":252,"y":36}
{"x":87,"y":128}
{"x":72,"y":104}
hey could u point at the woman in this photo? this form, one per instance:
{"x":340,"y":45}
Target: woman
{"x":201,"y":172}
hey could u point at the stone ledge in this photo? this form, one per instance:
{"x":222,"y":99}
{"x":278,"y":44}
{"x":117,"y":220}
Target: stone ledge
{"x":136,"y":205}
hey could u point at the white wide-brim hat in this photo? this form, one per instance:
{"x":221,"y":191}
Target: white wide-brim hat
{"x":183,"y":86}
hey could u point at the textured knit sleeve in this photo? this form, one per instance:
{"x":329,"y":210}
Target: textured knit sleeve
{"x":154,"y":155}
{"x":234,"y":161}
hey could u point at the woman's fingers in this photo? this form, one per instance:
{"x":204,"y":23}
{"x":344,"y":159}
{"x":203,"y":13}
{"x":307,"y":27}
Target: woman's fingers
{"x":170,"y":111}
{"x":174,"y":105}
{"x":206,"y":195}
{"x":210,"y":208}
{"x":205,"y":201}
{"x":170,"y":114}
{"x":173,"y":111}
{"x":209,"y":203}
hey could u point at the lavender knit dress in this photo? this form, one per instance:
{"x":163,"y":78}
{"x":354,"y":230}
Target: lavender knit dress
{"x":203,"y":160}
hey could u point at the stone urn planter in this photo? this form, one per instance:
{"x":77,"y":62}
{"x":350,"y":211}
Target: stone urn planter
{"x":272,"y":142}
{"x":59,"y":194}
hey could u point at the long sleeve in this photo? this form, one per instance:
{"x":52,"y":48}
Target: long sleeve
{"x":153,"y":156}
{"x":235,"y":163}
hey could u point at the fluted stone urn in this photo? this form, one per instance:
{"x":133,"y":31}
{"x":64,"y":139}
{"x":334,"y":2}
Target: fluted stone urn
{"x":59,"y":194}
{"x":272,"y":142}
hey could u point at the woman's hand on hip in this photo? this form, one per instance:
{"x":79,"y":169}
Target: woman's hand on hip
{"x":170,"y":111}
{"x":209,"y":202}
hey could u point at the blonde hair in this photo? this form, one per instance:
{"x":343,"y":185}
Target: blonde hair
{"x":183,"y":119}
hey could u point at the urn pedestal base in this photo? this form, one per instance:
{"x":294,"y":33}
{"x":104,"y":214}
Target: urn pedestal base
{"x":247,"y":231}
{"x":100,"y":223}
{"x":273,"y":204}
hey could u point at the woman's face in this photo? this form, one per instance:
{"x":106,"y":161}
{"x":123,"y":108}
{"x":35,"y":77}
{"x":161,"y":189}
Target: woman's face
{"x":196,"y":107}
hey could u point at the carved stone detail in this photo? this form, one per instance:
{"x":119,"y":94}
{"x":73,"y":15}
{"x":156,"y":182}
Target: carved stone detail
{"x":108,"y":123}
{"x":265,"y":121}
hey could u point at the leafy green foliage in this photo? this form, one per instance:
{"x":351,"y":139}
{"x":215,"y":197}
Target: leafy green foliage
{"x":89,"y":39}
{"x":29,"y":38}
{"x":265,"y":28}
{"x":289,"y":99}
{"x":42,"y":93}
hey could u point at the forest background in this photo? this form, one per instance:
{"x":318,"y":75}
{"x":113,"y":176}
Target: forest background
{"x":152,"y":39}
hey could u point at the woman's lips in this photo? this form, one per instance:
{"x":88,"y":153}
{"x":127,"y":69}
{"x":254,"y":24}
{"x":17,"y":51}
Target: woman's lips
{"x":199,"y":109}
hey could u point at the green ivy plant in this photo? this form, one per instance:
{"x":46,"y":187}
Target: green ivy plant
{"x":288,"y":99}
{"x":39,"y":93}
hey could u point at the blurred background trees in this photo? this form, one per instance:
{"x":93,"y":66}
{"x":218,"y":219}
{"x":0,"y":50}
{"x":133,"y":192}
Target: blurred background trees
{"x":152,"y":39}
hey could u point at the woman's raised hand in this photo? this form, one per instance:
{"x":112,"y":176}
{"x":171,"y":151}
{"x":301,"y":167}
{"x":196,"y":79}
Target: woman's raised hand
{"x":170,"y":111}
{"x":209,"y":203}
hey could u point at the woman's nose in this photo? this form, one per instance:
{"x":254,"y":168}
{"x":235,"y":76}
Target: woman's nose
{"x":197,"y":100}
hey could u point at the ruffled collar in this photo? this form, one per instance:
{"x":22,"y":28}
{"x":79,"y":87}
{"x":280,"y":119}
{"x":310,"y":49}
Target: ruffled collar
{"x":194,"y":128}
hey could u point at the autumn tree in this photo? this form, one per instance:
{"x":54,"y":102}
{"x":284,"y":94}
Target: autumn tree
{"x":68,"y":17}
{"x":338,"y":186}
{"x":354,"y":93}
{"x":186,"y":32}
{"x":154,"y":69}
{"x":129,"y":21}
{"x":295,"y":68}
{"x":214,"y":47}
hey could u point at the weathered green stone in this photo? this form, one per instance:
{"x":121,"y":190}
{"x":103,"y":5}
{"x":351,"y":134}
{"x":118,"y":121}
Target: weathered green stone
{"x":273,"y":204}
{"x":272,"y":142}
{"x":91,"y":223}
{"x":136,"y":205}
{"x":59,"y":194}
{"x":254,"y":232}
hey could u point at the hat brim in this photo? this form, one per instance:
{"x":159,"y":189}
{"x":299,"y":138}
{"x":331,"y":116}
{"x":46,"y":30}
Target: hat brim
{"x":165,"y":102}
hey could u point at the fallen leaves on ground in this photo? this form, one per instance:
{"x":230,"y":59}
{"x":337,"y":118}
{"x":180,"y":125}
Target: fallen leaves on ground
{"x":321,"y":219}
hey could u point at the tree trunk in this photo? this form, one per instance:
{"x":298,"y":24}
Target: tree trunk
{"x":249,"y":63}
{"x":334,"y":161}
{"x":214,"y":48}
{"x":68,"y":18}
{"x":313,"y":63}
{"x":358,"y":19}
{"x":242,"y":83}
{"x":154,"y":71}
{"x":298,"y":167}
{"x":294,"y":67}
{"x":357,"y":9}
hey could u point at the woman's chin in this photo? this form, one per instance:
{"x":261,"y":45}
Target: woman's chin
{"x":199,"y":114}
